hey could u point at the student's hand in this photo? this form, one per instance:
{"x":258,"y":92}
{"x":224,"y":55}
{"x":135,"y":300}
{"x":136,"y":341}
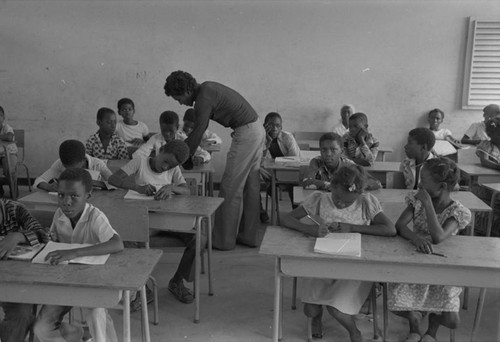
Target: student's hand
{"x":423,"y":196}
{"x":339,"y":227}
{"x":56,"y":257}
{"x":423,"y":245}
{"x":268,"y":129}
{"x":148,"y":190}
{"x":197,"y":160}
{"x":362,"y":136}
{"x":136,"y":142}
{"x":9,"y":243}
{"x":322,"y":230}
{"x":310,"y":181}
{"x":165,"y":192}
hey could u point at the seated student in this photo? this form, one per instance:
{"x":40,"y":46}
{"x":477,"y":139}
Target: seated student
{"x":161,"y":177}
{"x":71,"y":154}
{"x":134,"y":132}
{"x":7,"y":134}
{"x":360,"y":145}
{"x":169,"y":127}
{"x":476,"y":132}
{"x":418,"y":149}
{"x":346,"y":209}
{"x":77,"y":221}
{"x":17,"y":226}
{"x":209,"y":138}
{"x":435,"y":119}
{"x":489,"y":151}
{"x":342,"y":127}
{"x":105,"y":143}
{"x":436,"y":217}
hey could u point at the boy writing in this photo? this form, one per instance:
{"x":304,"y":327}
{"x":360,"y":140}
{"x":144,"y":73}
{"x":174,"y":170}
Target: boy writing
{"x":477,"y":131}
{"x":209,"y":138}
{"x":169,"y":128}
{"x":17,"y":226}
{"x":360,"y":146}
{"x":77,"y":221}
{"x":7,"y":134}
{"x":105,"y":143}
{"x":71,"y":154}
{"x":161,"y":177}
{"x":418,"y":149}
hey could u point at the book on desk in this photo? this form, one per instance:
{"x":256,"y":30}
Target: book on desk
{"x":348,"y":244}
{"x":54,"y":246}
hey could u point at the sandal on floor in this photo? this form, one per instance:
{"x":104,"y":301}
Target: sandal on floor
{"x":428,"y":338}
{"x":413,"y":337}
{"x":316,"y":328}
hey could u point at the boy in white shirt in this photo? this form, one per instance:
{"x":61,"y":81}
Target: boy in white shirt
{"x":77,"y":221}
{"x":477,"y":131}
{"x":72,"y":154}
{"x":134,"y":132}
{"x":342,"y":127}
{"x":160,"y":176}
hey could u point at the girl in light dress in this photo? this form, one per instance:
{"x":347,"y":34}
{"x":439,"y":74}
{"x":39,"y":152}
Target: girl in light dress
{"x":436,"y":217}
{"x":346,"y":209}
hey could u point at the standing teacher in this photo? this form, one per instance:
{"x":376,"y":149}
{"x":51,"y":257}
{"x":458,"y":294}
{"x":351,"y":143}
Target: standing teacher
{"x":238,"y":217}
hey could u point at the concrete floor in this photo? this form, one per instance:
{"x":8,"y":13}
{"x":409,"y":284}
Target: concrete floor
{"x":242,"y":306}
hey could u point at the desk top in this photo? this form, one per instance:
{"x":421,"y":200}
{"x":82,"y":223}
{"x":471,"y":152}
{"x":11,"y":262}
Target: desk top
{"x":461,"y":251}
{"x":314,"y":145}
{"x":477,"y":170}
{"x":380,"y":166}
{"x":177,"y":204}
{"x":212,"y":148}
{"x":115,"y":165}
{"x":128,"y":270}
{"x":377,"y":166}
{"x":467,"y":198}
{"x":492,"y":186}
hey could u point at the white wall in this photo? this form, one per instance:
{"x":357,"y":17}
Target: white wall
{"x":394,"y":60}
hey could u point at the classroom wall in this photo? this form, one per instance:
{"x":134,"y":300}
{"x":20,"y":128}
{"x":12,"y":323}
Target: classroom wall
{"x":394,"y":60}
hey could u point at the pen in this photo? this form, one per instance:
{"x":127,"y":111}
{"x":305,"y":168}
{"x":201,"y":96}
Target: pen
{"x":439,"y":254}
{"x":309,"y":217}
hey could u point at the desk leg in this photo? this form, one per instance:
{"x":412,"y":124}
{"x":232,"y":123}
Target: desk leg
{"x":210,"y":184}
{"x":145,"y":318}
{"x":389,"y":180}
{"x":203,"y":184}
{"x":277,"y":301}
{"x":465,"y":304}
{"x":479,"y":310}
{"x":209,"y":248}
{"x":197,"y":269}
{"x":126,"y":316}
{"x":492,"y":212}
{"x":273,"y":197}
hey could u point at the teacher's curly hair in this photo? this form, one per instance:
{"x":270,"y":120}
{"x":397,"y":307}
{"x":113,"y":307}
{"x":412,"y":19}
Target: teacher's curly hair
{"x":179,"y":83}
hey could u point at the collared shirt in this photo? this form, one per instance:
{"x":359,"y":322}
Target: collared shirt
{"x":320,"y":171}
{"x":367,"y":152}
{"x":286,"y":143}
{"x":139,"y":166}
{"x":93,"y":227}
{"x":409,"y":168}
{"x":489,"y":151}
{"x":57,"y":168}
{"x":131,"y":132}
{"x":11,"y":148}
{"x":157,"y":141}
{"x":116,"y":149}
{"x":477,"y":131}
{"x":15,"y":218}
{"x":340,"y":129}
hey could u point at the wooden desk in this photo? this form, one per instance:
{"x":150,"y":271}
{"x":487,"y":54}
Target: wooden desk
{"x":205,"y":172}
{"x":81,"y":285}
{"x":11,"y":169}
{"x":474,"y":171}
{"x":471,"y":261}
{"x":387,"y":169}
{"x":198,"y":207}
{"x":212,"y":148}
{"x":314,"y":146}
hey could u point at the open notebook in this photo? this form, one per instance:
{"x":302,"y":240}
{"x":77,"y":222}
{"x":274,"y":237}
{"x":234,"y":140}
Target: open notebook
{"x":24,"y":252}
{"x":348,"y":244}
{"x":134,"y":195}
{"x":54,"y":246}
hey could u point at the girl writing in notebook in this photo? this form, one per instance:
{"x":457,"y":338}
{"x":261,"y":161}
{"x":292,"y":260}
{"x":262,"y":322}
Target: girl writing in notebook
{"x":436,"y":217}
{"x":346,"y":209}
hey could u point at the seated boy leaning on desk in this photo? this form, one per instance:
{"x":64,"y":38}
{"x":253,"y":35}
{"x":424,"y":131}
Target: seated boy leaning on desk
{"x":72,"y":154}
{"x":77,"y":221}
{"x":169,"y":127}
{"x":160,"y":176}
{"x":209,"y":138}
{"x":17,"y":226}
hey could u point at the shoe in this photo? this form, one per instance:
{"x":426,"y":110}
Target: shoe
{"x":181,"y":292}
{"x":413,"y":337}
{"x":136,"y":304}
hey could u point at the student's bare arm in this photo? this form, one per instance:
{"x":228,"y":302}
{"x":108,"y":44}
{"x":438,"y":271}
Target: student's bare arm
{"x":467,"y":140}
{"x":381,"y":225}
{"x":7,"y":136}
{"x":483,"y":158}
{"x":121,"y":180}
{"x":52,"y":187}
{"x":292,"y":220}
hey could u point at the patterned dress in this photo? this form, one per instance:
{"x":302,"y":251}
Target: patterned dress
{"x":436,"y":298}
{"x":346,"y":296}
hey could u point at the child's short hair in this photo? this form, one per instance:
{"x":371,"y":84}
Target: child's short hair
{"x":347,"y":106}
{"x":102,"y":112}
{"x":74,"y":174}
{"x":331,"y":137}
{"x":189,"y":115}
{"x":271,"y":116}
{"x":179,"y":83}
{"x":492,"y":108}
{"x":125,"y":101}
{"x":71,"y":152}
{"x":436,"y":110}
{"x":443,"y":169}
{"x":423,"y":136}
{"x":178,"y":148}
{"x":2,"y":112}
{"x":359,"y":117}
{"x":493,"y":127}
{"x":169,"y":118}
{"x":352,"y":178}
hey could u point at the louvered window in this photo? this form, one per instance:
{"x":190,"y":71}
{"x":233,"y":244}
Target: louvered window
{"x":482,"y":64}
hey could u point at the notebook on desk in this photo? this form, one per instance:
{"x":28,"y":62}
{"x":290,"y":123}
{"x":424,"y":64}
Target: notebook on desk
{"x":24,"y":252}
{"x":54,"y":246}
{"x":134,"y":195}
{"x":348,"y":244}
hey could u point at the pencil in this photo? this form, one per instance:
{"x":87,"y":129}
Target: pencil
{"x":309,"y":217}
{"x":439,"y":254}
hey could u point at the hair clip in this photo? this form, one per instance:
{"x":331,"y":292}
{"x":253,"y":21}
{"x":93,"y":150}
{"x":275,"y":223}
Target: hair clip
{"x":352,"y":187}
